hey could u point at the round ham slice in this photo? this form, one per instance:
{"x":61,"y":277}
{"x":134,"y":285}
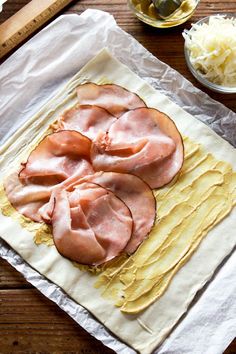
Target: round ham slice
{"x":57,"y":157}
{"x":90,"y":224}
{"x":115,"y":99}
{"x":143,"y":142}
{"x":57,"y":161}
{"x":137,"y":195}
{"x":86,"y":119}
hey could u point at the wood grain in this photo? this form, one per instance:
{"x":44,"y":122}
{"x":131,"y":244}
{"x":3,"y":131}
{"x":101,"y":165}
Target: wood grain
{"x":10,"y":279}
{"x":29,"y":322}
{"x":34,"y":323}
{"x":26,"y":21}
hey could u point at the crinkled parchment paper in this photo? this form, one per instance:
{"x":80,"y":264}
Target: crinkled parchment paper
{"x":31,"y":76}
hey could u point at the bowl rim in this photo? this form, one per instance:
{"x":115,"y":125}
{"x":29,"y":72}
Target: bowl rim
{"x":150,"y":21}
{"x":198,"y":76}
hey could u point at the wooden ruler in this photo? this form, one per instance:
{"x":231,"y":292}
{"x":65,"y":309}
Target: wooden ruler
{"x":32,"y":16}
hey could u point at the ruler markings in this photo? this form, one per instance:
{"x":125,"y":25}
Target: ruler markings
{"x":28,"y":19}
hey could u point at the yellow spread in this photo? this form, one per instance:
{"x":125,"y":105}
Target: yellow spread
{"x":44,"y":235}
{"x":203,"y":194}
{"x":187,"y":209}
{"x":185,"y":10}
{"x":43,"y":232}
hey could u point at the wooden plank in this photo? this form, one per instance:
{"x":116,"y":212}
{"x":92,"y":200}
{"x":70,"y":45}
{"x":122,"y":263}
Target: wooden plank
{"x":23,"y":326}
{"x":10,"y":7}
{"x":30,"y":323}
{"x":25,"y":21}
{"x":10,"y":278}
{"x":231,"y":348}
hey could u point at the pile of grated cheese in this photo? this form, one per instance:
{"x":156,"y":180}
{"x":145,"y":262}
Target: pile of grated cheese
{"x":212,"y":49}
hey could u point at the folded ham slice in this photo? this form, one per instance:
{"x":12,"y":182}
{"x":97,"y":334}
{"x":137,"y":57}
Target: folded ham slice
{"x":90,"y":224}
{"x":144,"y":142}
{"x":57,"y":157}
{"x":46,"y":210}
{"x":27,"y":199}
{"x":137,"y":195}
{"x":57,"y":161}
{"x":87,"y":119}
{"x":115,"y":99}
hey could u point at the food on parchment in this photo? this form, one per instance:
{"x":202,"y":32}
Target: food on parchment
{"x":87,"y":119}
{"x":57,"y":157}
{"x":96,"y":216}
{"x":29,"y":198}
{"x":90,"y":224}
{"x":137,"y":195}
{"x":144,"y":142}
{"x":115,"y":99}
{"x":56,"y":161}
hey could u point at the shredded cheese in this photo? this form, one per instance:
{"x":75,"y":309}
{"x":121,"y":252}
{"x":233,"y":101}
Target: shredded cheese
{"x":212,"y":49}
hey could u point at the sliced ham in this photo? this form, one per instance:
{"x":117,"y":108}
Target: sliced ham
{"x":137,"y":195}
{"x":90,"y":224}
{"x":46,"y":210}
{"x":57,"y":157}
{"x":115,"y":99}
{"x":57,"y":161}
{"x":98,"y":215}
{"x":86,"y":119}
{"x":27,"y":199}
{"x":143,"y":142}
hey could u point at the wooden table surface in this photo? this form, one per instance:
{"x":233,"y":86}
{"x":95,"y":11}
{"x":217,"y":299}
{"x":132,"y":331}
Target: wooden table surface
{"x":29,"y":322}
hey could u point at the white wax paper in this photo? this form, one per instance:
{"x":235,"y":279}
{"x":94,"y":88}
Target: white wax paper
{"x":32,"y":75}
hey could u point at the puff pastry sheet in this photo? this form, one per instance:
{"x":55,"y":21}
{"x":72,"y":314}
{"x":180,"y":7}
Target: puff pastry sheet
{"x":148,"y":329}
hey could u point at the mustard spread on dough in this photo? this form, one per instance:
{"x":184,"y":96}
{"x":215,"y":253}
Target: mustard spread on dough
{"x":43,"y":232}
{"x":187,"y":209}
{"x":204,"y":193}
